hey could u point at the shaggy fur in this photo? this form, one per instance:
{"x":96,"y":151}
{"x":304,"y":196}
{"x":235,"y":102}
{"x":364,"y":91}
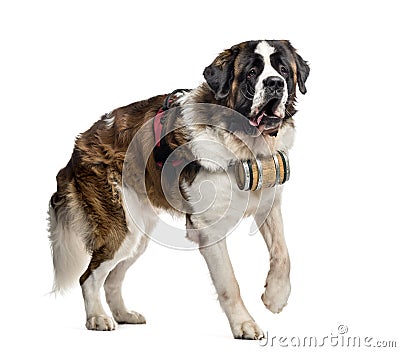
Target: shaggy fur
{"x":107,"y":199}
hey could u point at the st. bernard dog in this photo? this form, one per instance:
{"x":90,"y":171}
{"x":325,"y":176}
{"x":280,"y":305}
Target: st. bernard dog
{"x":107,"y":202}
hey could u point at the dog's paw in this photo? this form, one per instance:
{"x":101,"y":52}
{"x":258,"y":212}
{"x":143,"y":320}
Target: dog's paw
{"x":247,"y":330}
{"x":129,"y":317}
{"x":101,"y":323}
{"x":277,"y":291}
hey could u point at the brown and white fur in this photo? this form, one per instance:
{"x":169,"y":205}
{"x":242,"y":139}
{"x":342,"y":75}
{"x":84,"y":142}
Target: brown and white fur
{"x":96,"y":239}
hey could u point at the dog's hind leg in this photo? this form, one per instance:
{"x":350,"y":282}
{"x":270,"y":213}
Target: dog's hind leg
{"x":91,"y":282}
{"x":112,"y":287}
{"x":108,"y":268}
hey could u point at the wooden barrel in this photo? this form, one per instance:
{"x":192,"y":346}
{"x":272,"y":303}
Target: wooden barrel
{"x":256,"y":174}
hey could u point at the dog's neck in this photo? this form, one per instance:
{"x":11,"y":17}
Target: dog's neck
{"x":201,"y":94}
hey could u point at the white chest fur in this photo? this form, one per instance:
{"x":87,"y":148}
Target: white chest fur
{"x":218,"y":205}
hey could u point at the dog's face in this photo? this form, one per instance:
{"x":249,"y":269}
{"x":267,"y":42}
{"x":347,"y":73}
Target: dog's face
{"x":259,"y":79}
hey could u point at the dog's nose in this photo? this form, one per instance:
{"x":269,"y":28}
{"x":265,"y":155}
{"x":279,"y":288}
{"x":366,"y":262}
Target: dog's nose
{"x":274,"y":85}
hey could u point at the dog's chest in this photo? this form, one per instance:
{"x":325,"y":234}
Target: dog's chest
{"x":215,"y":197}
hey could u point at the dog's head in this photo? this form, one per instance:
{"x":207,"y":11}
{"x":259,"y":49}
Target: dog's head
{"x":259,"y":80}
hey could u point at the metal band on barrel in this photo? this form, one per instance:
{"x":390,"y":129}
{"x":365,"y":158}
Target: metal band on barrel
{"x":277,"y":170}
{"x":246,"y":169}
{"x":285,"y":160}
{"x":251,"y":178}
{"x":260,"y":174}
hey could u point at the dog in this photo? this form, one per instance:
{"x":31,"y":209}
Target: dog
{"x":155,"y":155}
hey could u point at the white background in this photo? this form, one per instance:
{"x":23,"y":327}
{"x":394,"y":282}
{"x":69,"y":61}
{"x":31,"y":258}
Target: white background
{"x":63,"y":64}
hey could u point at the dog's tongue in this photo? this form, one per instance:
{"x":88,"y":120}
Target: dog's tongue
{"x":257,"y":122}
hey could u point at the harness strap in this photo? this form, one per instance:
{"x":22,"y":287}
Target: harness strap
{"x":158,"y":123}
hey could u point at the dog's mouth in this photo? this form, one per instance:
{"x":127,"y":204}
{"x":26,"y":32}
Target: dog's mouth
{"x":268,"y":119}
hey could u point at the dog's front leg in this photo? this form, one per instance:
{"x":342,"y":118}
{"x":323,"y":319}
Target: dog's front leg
{"x":277,"y":285}
{"x":242,"y":324}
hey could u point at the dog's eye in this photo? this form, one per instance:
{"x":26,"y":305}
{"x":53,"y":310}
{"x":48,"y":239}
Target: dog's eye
{"x":283,"y":71}
{"x":252,"y":73}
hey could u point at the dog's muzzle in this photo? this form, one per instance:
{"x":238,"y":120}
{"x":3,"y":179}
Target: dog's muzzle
{"x":268,"y":117}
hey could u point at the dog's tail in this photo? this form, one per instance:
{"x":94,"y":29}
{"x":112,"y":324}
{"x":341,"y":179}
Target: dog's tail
{"x":70,"y":257}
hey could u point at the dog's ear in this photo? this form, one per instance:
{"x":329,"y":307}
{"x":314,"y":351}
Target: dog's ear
{"x":303,"y":71}
{"x":219,"y":75}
